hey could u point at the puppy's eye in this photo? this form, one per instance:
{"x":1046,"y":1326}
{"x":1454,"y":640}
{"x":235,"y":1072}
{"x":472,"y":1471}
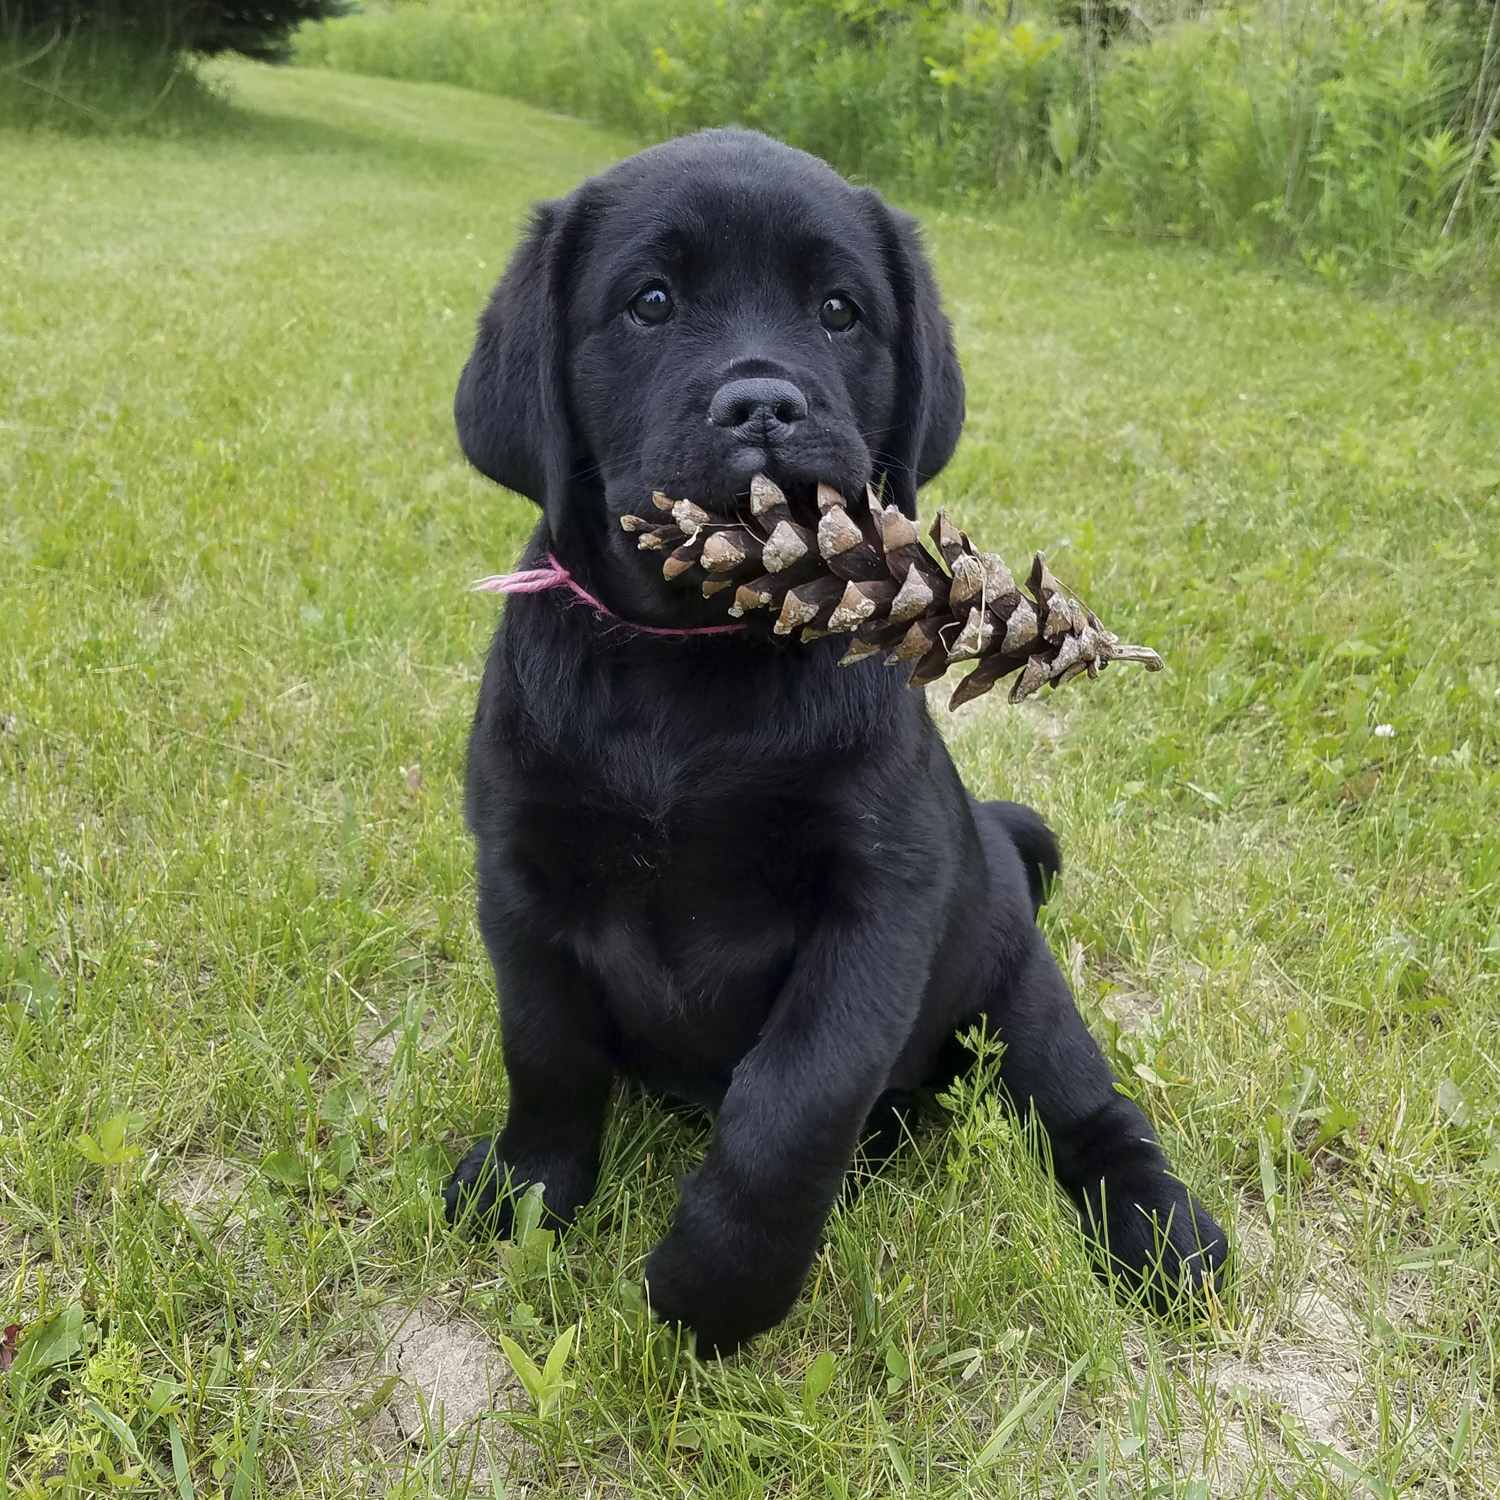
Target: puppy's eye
{"x":838,"y":313}
{"x":652,"y":304}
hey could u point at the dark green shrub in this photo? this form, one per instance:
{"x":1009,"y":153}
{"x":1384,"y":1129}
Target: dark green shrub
{"x":256,"y":28}
{"x":128,"y":64}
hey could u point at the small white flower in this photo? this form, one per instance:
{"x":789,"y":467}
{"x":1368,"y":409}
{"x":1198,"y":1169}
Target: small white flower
{"x":1384,"y":732}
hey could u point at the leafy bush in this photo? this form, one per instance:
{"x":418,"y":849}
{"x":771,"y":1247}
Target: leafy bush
{"x":1343,"y":130}
{"x":1338,"y":134}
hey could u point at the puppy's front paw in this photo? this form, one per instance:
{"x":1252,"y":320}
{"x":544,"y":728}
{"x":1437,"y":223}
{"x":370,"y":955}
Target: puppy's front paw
{"x":1158,"y":1239}
{"x":475,"y":1193}
{"x":726,"y":1296}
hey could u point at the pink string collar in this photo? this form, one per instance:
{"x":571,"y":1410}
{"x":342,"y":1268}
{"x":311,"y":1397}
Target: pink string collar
{"x":555,"y":576}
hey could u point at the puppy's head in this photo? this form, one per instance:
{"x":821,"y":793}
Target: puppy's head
{"x":712,"y":308}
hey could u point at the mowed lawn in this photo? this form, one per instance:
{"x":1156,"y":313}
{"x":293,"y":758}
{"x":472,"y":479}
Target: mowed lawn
{"x":245,"y":1017}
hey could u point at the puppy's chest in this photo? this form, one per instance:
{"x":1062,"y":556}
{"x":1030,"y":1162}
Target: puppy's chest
{"x":706,"y":849}
{"x":688,"y":911}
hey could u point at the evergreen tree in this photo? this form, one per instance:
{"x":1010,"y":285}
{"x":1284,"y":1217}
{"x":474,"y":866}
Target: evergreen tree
{"x":256,"y":28}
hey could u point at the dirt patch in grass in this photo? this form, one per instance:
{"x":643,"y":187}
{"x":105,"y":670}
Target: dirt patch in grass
{"x":377,"y":1047}
{"x":1131,"y":1010}
{"x":206,"y":1191}
{"x":1309,"y":1373}
{"x":1283,"y":1379}
{"x":378,"y":1042}
{"x":415,"y":1383}
{"x":450,"y":1376}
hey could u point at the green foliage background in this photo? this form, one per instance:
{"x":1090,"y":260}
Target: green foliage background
{"x":1340,"y":130}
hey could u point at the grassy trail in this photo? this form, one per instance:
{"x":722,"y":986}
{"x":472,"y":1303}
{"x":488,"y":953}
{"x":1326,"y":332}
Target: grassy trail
{"x":245,"y":1018}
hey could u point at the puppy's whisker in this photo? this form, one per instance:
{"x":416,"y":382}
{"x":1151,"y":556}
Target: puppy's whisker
{"x":593,"y":470}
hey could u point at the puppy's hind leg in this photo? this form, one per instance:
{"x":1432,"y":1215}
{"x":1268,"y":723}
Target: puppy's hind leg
{"x":1147,"y":1228}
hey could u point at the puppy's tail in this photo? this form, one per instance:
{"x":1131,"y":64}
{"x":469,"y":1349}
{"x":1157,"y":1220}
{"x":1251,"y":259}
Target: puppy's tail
{"x":1035,"y":843}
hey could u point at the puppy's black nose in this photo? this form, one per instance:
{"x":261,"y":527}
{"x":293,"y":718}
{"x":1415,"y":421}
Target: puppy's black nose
{"x":763,"y":404}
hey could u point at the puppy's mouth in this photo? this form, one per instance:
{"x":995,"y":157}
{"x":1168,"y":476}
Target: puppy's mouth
{"x":801,"y":496}
{"x":806,"y":498}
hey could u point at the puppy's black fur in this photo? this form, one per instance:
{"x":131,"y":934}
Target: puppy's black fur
{"x":723,"y":865}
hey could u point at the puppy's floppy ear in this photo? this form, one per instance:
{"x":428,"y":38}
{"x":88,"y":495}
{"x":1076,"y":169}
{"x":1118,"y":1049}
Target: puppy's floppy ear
{"x":929,"y":381}
{"x":511,"y":408}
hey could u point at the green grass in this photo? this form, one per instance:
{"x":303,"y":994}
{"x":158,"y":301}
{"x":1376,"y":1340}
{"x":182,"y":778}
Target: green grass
{"x":238,"y":666}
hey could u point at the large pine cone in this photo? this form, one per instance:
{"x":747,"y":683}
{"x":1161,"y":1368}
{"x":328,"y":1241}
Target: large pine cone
{"x":864,"y":569}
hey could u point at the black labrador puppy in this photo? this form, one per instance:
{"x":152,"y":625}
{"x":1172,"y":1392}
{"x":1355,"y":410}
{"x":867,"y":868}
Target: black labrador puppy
{"x":719,"y":863}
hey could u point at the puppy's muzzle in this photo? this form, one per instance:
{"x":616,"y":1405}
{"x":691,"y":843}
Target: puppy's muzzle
{"x":758,"y":411}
